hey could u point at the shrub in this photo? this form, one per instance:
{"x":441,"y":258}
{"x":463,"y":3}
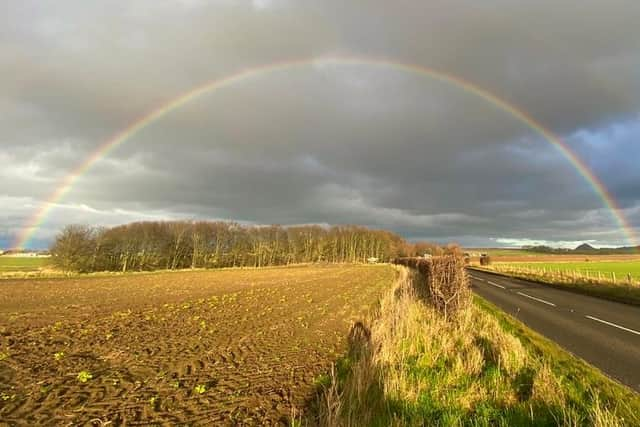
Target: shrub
{"x":444,"y":279}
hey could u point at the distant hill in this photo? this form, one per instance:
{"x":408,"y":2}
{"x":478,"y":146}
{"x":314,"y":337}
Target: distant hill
{"x":585,"y":247}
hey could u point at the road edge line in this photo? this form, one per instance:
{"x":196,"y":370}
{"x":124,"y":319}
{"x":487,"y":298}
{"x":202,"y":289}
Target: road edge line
{"x":537,"y":299}
{"x":612,"y":324}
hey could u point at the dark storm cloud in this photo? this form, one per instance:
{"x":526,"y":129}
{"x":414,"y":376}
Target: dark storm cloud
{"x":325,"y":144}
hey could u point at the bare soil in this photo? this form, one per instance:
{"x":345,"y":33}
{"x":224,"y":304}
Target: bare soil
{"x":200,"y":348}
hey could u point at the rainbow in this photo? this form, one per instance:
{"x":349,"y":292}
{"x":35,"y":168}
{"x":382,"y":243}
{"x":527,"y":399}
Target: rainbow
{"x":36,"y":221}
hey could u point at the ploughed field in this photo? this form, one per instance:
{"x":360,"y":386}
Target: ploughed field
{"x":205,"y":347}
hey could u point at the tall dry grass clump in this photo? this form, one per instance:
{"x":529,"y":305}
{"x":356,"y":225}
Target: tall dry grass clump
{"x":444,"y":281}
{"x":410,"y":365}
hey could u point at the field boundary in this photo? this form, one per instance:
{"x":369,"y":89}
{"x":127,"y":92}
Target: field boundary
{"x":59,"y":275}
{"x":576,"y":288}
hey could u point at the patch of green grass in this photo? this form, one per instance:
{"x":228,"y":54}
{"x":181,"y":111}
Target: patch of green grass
{"x":22,"y":264}
{"x":590,"y":268}
{"x":580,"y":380}
{"x":322,"y":380}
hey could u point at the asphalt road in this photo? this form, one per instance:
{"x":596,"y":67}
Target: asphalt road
{"x":604,"y":333}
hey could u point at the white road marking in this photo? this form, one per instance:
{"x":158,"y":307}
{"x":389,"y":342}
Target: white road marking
{"x":613,"y":324}
{"x":495,"y":284}
{"x":537,"y":299}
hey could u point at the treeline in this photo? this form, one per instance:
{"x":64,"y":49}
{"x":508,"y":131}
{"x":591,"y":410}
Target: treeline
{"x":145,"y":246}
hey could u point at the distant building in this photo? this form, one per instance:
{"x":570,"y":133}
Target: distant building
{"x":372,"y":260}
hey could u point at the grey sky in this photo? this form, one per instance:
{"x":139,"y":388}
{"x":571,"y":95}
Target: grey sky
{"x":338,"y":144}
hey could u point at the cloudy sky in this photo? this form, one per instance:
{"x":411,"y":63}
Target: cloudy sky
{"x":324,"y":144}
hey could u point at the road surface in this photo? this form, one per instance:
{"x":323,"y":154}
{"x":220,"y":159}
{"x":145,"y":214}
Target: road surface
{"x":604,"y":333}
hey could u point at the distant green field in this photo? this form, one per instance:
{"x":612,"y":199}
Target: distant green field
{"x":620,"y":268}
{"x":506,"y":252}
{"x":22,"y":264}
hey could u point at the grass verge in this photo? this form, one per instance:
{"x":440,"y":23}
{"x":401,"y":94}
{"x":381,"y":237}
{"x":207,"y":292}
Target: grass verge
{"x":627,"y":293}
{"x":407,"y":365}
{"x":581,"y":379}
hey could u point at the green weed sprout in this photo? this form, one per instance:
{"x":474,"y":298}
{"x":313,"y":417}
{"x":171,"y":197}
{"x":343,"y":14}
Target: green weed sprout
{"x":153,"y":402}
{"x":84,"y":376}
